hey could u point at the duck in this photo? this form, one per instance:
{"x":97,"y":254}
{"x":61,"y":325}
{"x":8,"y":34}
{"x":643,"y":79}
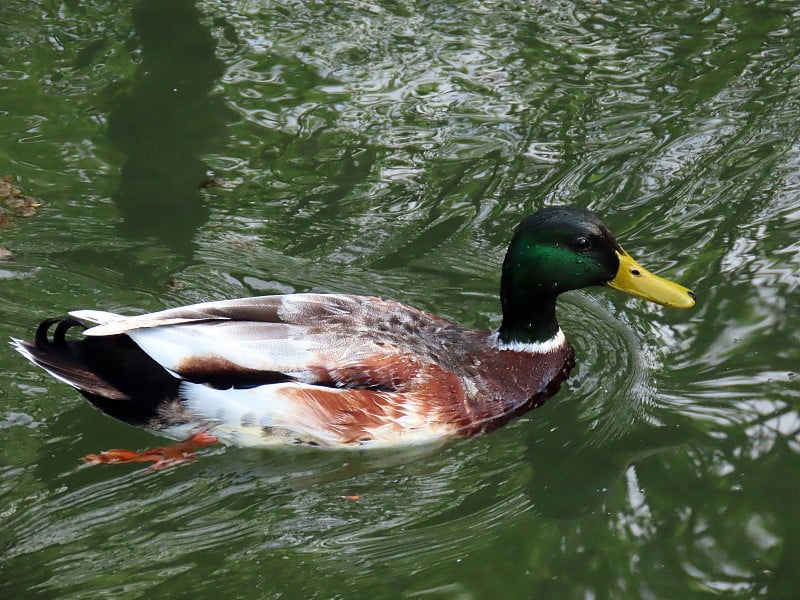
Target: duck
{"x":337,"y":370}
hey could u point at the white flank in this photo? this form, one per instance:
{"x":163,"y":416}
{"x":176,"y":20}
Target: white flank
{"x":554,"y":343}
{"x":239,"y":411}
{"x":262,"y":406}
{"x":267,"y":416}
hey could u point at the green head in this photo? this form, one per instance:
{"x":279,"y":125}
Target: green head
{"x":562,"y":248}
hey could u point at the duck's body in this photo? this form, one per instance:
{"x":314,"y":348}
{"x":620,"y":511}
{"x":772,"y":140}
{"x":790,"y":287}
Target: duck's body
{"x":319,"y":369}
{"x":347,"y":371}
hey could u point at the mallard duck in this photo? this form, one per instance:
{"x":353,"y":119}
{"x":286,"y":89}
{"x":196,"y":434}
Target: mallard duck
{"x":340,"y":370}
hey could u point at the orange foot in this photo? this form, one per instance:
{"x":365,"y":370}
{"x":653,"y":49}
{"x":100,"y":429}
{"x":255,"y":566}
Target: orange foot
{"x":161,"y":457}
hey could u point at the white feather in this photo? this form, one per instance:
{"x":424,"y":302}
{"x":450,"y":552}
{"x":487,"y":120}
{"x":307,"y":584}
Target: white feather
{"x":120,"y":323}
{"x":265,"y":406}
{"x":554,"y":343}
{"x":111,"y":323}
{"x":173,"y":346}
{"x":271,"y":414}
{"x":258,"y":405}
{"x":100,"y":317}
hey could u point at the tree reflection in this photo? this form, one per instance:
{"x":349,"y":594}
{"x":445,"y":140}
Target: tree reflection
{"x":165,"y":123}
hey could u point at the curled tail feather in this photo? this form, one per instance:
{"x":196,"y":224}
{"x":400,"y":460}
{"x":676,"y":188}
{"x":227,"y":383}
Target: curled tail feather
{"x":111,"y":372}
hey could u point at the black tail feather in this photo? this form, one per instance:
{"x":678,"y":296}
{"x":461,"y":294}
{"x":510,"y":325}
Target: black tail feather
{"x":112,"y":372}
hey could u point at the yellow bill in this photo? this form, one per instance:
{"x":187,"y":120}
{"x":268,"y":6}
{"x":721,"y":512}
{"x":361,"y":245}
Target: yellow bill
{"x":632,"y":278}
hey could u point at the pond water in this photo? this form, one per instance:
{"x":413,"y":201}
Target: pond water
{"x":389,"y":148}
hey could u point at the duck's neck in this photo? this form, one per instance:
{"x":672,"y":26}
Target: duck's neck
{"x":527,"y":320}
{"x":528,"y":291}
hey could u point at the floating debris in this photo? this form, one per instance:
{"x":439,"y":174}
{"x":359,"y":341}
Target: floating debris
{"x":211,"y":182}
{"x":7,"y":190}
{"x":6,"y":254}
{"x":12,"y":197}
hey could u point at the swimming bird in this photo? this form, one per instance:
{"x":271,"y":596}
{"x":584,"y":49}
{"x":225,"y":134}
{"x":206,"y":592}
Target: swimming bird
{"x":340,"y":370}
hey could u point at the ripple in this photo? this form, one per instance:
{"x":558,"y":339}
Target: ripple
{"x":614,"y":375}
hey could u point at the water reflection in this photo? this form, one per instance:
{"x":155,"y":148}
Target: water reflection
{"x":163,"y":126}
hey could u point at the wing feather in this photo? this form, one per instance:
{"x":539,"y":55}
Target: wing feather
{"x":324,"y":339}
{"x":298,"y":335}
{"x":286,"y":308}
{"x":254,"y":346}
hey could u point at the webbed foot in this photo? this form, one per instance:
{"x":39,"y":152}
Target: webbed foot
{"x":161,"y":457}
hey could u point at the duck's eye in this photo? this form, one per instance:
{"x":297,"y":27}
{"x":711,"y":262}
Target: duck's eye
{"x":581,"y":244}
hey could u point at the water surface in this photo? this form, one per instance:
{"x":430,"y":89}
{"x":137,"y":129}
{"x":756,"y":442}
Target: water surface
{"x":190,"y":151}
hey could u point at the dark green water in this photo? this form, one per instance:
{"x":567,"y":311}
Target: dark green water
{"x":389,"y":148}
